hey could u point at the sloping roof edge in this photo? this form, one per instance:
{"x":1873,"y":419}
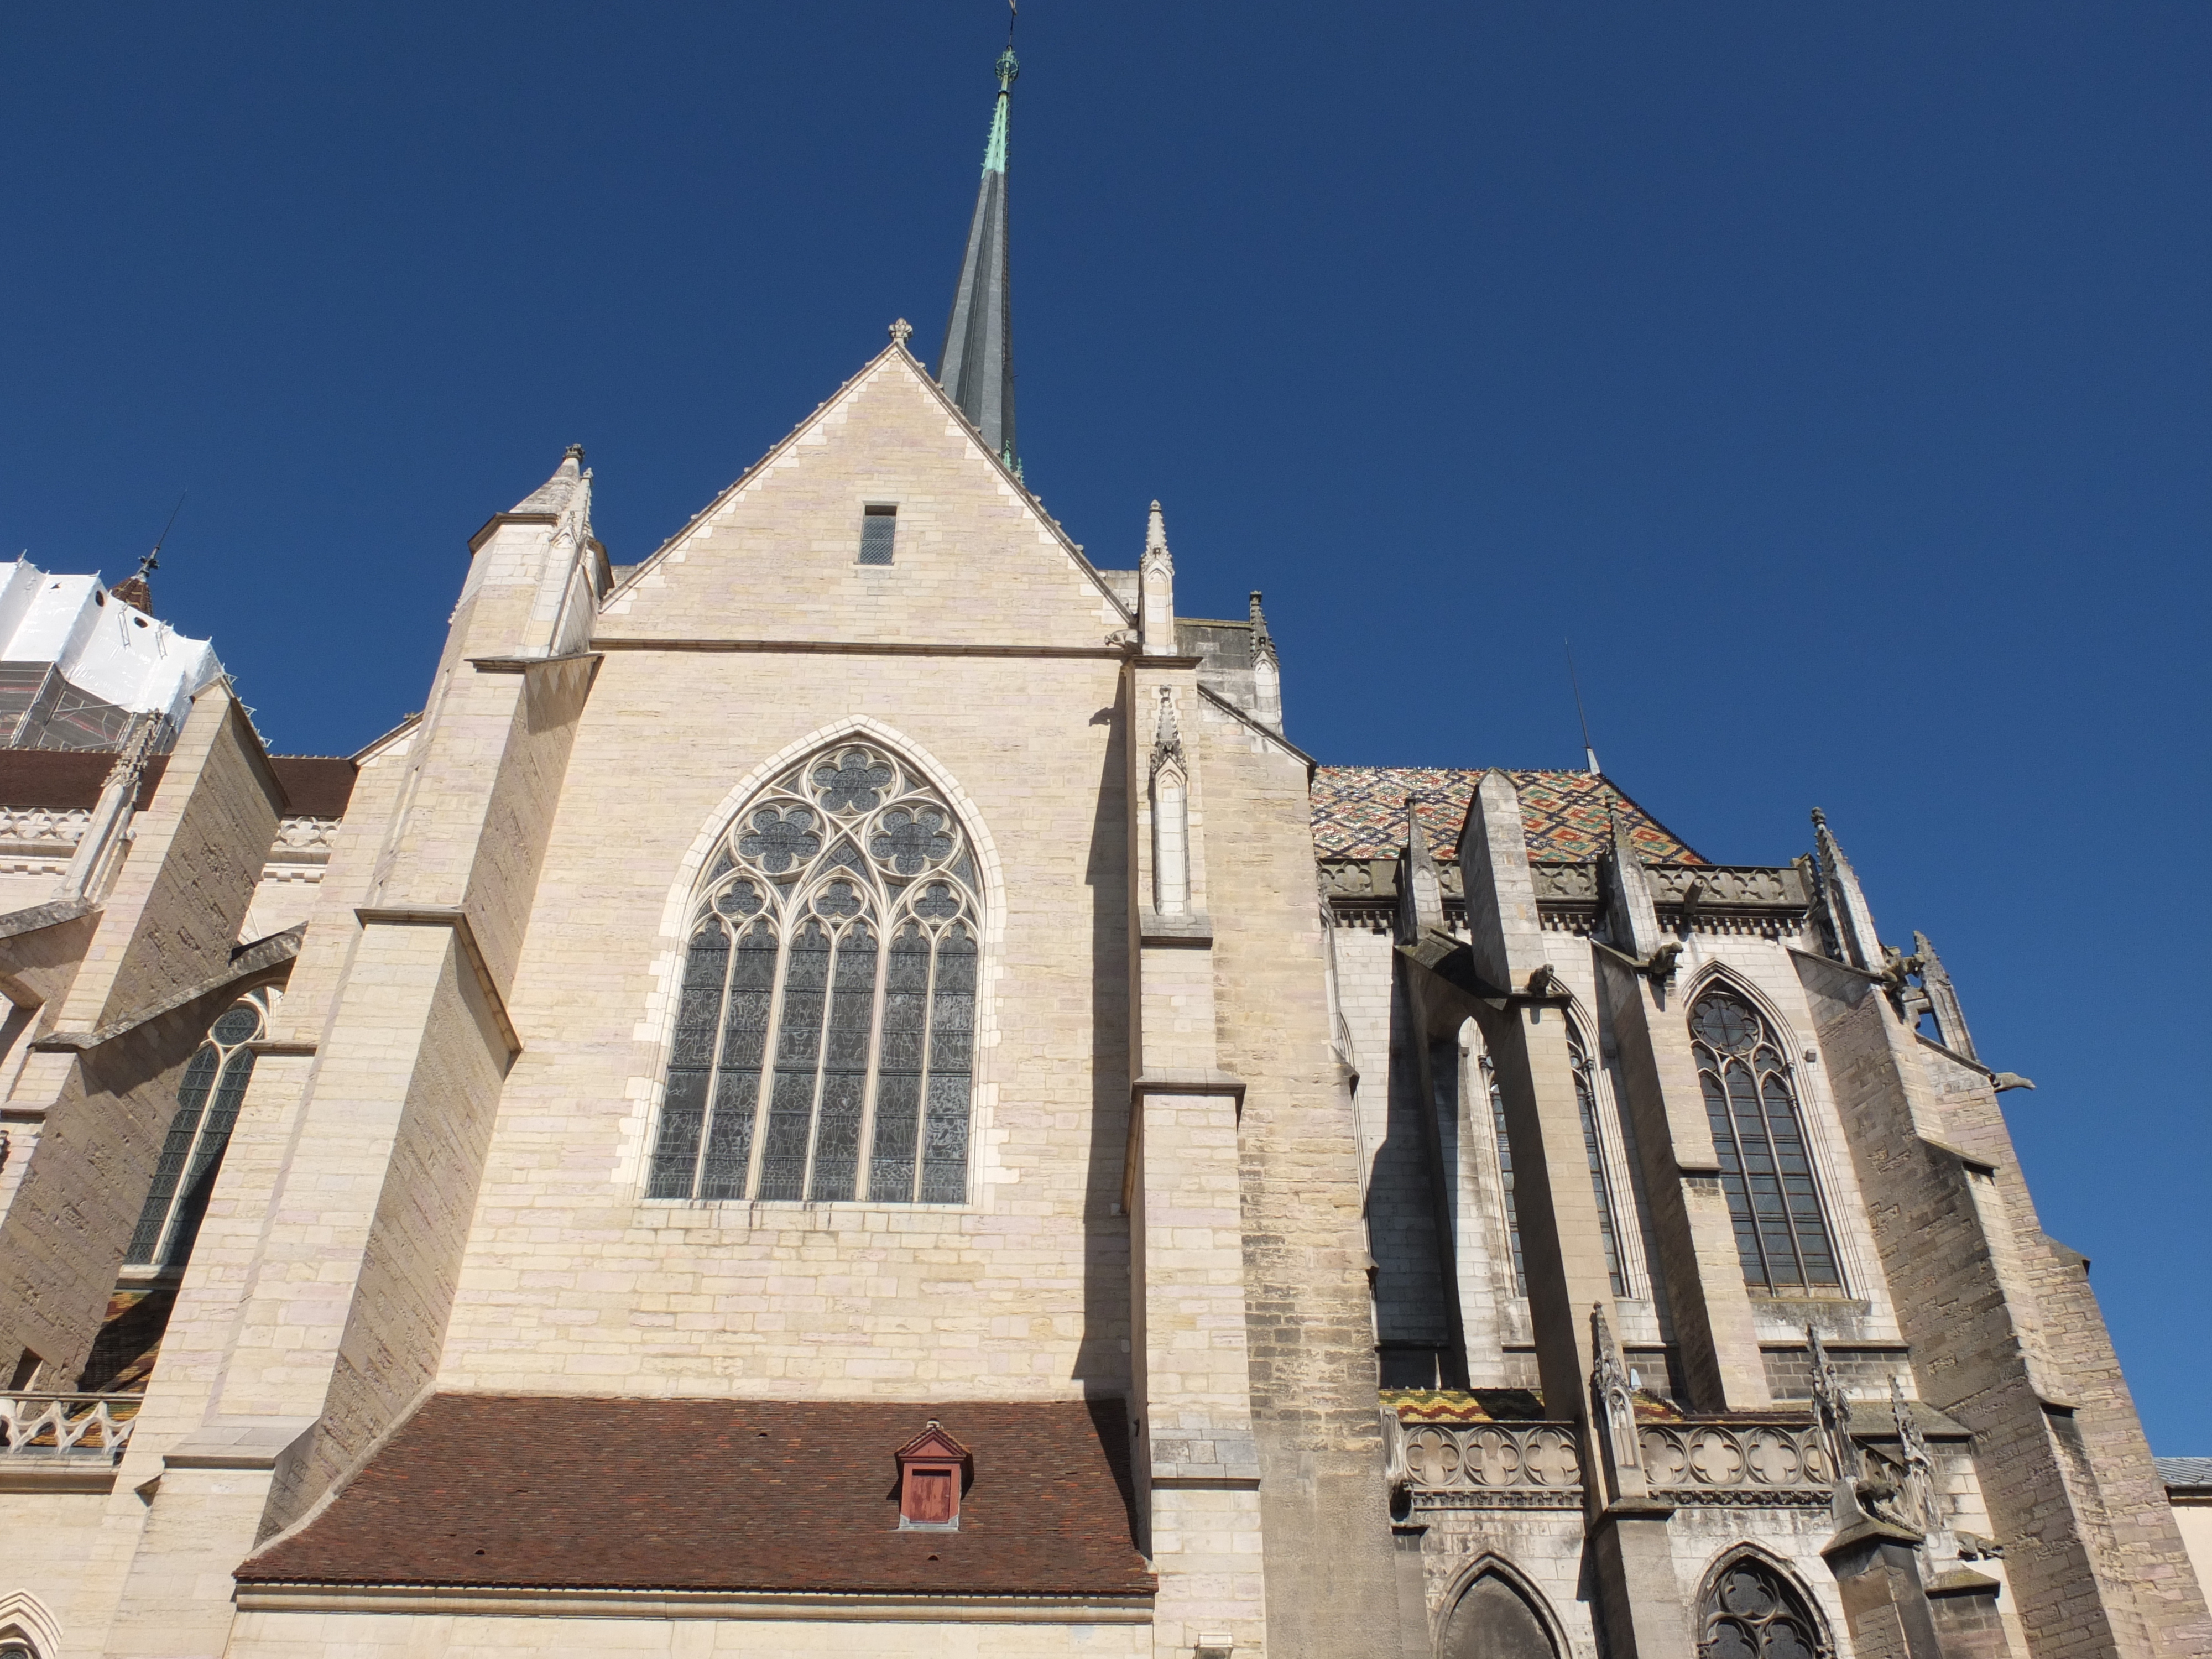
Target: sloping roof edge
{"x":898,"y":349}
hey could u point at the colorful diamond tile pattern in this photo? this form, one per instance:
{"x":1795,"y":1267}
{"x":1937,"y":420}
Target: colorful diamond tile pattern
{"x":1359,"y":812}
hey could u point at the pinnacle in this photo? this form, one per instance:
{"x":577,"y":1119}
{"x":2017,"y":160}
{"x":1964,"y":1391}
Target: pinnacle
{"x":553,"y":494}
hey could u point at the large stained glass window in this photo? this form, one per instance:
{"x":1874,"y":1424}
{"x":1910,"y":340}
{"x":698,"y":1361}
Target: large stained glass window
{"x":208,"y":1098}
{"x":825,"y":1020}
{"x":1766,"y":1170}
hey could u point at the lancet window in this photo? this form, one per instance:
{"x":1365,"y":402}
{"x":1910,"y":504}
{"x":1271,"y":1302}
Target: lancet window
{"x":208,"y":1098}
{"x":824,"y":1036}
{"x":1505,"y":1177}
{"x":1782,"y":1232}
{"x":1594,"y":1149}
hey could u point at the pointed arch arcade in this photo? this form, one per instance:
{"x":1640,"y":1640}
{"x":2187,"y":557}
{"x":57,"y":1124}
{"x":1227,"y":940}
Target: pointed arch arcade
{"x":824,"y":1047}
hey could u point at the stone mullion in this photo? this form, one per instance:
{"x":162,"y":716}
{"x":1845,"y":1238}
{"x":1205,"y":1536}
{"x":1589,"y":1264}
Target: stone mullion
{"x":771,"y":1033}
{"x":714,"y":1090}
{"x":863,"y":1163}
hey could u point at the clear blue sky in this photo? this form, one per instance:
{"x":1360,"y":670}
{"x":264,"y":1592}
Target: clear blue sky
{"x":1839,"y":377}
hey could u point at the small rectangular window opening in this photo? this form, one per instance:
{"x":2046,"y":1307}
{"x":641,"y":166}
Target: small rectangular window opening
{"x":879,"y":529}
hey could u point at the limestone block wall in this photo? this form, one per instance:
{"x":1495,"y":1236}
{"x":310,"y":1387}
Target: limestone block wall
{"x":2130,"y":1514}
{"x":1323,"y":1509}
{"x":51,"y":1537}
{"x":775,"y":557}
{"x":1364,"y":978}
{"x":1957,"y":1247}
{"x":196,"y":857}
{"x":441,"y":1029}
{"x":167,"y":927}
{"x":244,"y":1339}
{"x":574,"y":1281}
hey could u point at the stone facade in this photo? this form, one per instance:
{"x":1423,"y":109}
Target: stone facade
{"x":1251,"y":1056}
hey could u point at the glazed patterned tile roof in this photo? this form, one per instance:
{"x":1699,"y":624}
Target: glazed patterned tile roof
{"x":773,"y":1495}
{"x":1359,"y":812}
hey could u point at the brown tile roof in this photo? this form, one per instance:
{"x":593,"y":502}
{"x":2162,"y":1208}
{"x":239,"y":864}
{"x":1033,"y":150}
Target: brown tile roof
{"x":315,"y":786}
{"x":1359,"y":812}
{"x":485,"y":1490}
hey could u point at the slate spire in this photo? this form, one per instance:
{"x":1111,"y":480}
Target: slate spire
{"x":977,"y":367}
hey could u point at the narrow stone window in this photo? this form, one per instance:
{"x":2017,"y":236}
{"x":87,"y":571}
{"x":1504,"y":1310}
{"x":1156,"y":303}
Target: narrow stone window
{"x":1586,"y":1101}
{"x":1506,"y":1175}
{"x":208,"y":1098}
{"x":1766,"y":1170}
{"x":824,"y":1033}
{"x":878,"y":532}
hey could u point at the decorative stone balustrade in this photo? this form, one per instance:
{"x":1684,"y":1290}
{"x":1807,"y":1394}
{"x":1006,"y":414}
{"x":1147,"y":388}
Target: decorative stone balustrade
{"x":1565,"y":884}
{"x":1735,"y":1462}
{"x":304,"y":835}
{"x":54,"y":832}
{"x":67,"y":1426}
{"x":44,"y":827}
{"x":1724,"y":886}
{"x":1525,"y":1463}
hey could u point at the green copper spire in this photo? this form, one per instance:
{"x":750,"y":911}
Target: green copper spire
{"x":994,"y":148}
{"x":977,"y":366}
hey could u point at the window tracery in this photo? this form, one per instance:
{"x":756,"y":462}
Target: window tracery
{"x":209,"y":1096}
{"x":1782,"y":1232}
{"x":824,"y":1047}
{"x":1752,"y":1612}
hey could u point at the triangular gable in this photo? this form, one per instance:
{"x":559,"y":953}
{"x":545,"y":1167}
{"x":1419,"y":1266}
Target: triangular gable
{"x":933,"y":1445}
{"x":978,"y":562}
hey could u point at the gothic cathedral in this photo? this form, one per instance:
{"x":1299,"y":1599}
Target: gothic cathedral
{"x":847,"y":1087}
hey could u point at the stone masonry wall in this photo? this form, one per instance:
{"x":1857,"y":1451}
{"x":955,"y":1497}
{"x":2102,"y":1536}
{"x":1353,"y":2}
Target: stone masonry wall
{"x":167,"y":924}
{"x":1967,"y":1350}
{"x":979,"y":653}
{"x":1330,"y":1589}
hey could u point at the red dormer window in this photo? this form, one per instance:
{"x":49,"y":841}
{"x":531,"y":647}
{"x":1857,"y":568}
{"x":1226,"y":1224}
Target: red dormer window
{"x":933,"y":1467}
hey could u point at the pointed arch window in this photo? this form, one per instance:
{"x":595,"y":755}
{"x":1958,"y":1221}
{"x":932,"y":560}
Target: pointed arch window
{"x":1593,"y":1148}
{"x":1751,"y":1611}
{"x":1782,"y":1231}
{"x":208,"y":1098}
{"x":1505,"y":1177}
{"x":824,"y":1036}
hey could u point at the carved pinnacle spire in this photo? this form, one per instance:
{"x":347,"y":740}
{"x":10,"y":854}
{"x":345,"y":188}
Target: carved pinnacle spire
{"x":1155,"y":624}
{"x":1263,"y":641}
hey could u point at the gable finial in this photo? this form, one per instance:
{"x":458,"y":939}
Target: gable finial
{"x":901,"y":329}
